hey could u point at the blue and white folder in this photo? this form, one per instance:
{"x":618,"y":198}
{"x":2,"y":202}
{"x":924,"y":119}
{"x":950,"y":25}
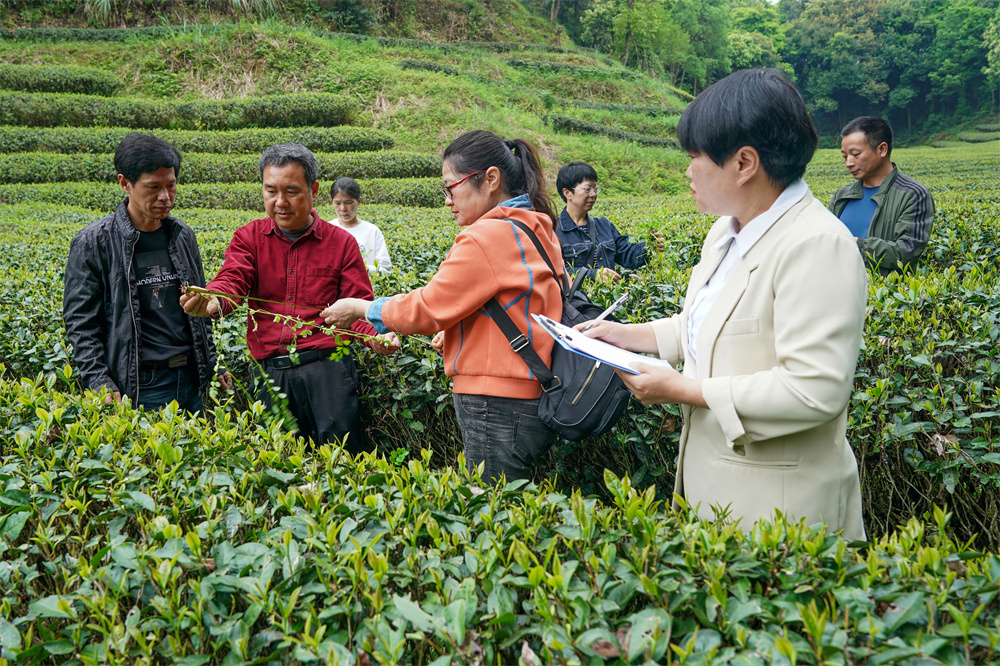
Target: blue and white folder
{"x":579,"y":343}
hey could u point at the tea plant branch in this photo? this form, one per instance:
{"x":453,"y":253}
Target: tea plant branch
{"x":232,"y":298}
{"x":290,"y":320}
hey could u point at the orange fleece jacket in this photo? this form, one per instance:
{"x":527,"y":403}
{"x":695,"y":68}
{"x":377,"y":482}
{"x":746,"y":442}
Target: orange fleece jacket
{"x":491,"y":257}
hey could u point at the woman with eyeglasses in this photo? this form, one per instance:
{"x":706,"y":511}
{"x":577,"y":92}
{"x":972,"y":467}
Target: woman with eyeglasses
{"x":589,"y":242}
{"x":487,"y":183}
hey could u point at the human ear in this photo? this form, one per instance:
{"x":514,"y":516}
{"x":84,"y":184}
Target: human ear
{"x":492,"y":180}
{"x":747,"y":164}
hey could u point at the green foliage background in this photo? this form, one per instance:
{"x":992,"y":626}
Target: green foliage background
{"x":128,"y":537}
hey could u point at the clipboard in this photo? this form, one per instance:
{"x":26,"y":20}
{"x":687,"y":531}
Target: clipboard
{"x":578,"y":343}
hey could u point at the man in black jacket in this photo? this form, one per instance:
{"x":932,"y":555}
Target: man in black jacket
{"x":121,"y":302}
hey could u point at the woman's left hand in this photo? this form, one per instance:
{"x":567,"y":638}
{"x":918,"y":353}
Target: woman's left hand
{"x":657,"y":384}
{"x":345,"y":312}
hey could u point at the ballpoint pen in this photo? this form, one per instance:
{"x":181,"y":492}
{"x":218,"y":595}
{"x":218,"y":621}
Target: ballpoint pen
{"x":611,"y":308}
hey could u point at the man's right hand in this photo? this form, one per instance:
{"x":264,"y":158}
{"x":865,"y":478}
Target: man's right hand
{"x":113,"y":397}
{"x":197,"y":305}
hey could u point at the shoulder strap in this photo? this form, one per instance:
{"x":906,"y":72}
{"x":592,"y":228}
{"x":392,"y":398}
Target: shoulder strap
{"x":592,"y":232}
{"x":563,"y":286}
{"x":519,"y":343}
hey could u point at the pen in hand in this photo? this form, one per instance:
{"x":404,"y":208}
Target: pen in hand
{"x":611,"y":308}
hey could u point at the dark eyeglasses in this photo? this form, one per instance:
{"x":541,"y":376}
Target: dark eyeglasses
{"x":447,"y":188}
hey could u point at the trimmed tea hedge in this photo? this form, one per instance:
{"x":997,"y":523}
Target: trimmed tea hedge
{"x":55,"y":109}
{"x":131,"y":537}
{"x":66,"y":79}
{"x":922,"y":420}
{"x":566,"y":68}
{"x":107,"y":34}
{"x":212,"y":168}
{"x":623,"y":108}
{"x":508,"y":47}
{"x":239,"y":196}
{"x":14,"y":139}
{"x":428,"y":66}
{"x":988,"y":128}
{"x":978,"y":137}
{"x":572,"y":125}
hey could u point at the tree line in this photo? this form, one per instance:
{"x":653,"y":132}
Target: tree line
{"x":915,"y":62}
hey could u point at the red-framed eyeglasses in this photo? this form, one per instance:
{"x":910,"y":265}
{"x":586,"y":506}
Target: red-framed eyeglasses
{"x":447,"y":188}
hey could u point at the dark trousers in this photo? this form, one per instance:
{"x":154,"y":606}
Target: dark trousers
{"x":159,"y":385}
{"x":504,"y":434}
{"x":323,"y":398}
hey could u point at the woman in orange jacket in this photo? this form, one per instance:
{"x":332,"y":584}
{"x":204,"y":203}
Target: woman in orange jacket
{"x":488,"y":182}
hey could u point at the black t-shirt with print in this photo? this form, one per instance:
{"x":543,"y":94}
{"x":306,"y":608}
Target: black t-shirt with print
{"x":165,"y":330}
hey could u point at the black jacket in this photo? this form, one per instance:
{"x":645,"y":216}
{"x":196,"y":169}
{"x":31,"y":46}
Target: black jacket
{"x":101,"y":302}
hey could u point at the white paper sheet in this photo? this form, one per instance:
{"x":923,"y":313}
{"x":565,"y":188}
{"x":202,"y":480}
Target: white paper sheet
{"x":578,"y":342}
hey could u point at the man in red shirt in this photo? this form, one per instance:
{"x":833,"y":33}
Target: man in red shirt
{"x":293,"y":258}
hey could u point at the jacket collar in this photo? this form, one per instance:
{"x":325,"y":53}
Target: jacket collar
{"x":856,"y":191}
{"x":566,"y":222}
{"x":520,"y":201}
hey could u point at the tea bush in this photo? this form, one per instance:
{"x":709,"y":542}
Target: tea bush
{"x":622,"y":108}
{"x":567,"y":68}
{"x":56,"y":109}
{"x":212,"y":168}
{"x":240,"y":196}
{"x":428,"y":66}
{"x":923,"y":434}
{"x":978,"y":137}
{"x":36,"y":78}
{"x":131,"y":537}
{"x":106,"y":34}
{"x":15,"y":139}
{"x":566,"y":124}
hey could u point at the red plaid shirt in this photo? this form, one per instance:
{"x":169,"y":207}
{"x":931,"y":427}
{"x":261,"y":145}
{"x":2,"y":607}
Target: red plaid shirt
{"x":320,"y":267}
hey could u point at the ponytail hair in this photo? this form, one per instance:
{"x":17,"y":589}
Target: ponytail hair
{"x":520,"y":170}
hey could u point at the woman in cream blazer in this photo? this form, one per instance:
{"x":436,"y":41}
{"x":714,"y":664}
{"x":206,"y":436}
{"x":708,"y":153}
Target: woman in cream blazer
{"x":772,"y":322}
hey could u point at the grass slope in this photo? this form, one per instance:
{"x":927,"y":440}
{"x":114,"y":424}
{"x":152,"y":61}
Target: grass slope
{"x":424,"y":110}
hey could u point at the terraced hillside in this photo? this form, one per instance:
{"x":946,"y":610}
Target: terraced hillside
{"x":574,"y":105}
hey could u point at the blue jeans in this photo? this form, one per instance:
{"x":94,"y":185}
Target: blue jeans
{"x":503,"y":433}
{"x":158,"y":386}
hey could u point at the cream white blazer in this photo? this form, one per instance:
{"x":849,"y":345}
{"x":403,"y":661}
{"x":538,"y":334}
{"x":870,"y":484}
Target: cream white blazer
{"x":777,"y":352}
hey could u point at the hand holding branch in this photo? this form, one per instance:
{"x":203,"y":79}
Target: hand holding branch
{"x":345,"y":312}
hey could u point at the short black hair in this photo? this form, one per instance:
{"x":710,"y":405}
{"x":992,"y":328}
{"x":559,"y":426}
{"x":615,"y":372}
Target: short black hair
{"x":758,"y":108}
{"x":143,"y":153}
{"x":876,"y":130}
{"x":347,"y":186}
{"x":572,"y":175}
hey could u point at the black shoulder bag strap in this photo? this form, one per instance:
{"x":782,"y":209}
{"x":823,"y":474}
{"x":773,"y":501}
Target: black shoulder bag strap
{"x":519,"y":341}
{"x":592,"y":232}
{"x":581,"y":274}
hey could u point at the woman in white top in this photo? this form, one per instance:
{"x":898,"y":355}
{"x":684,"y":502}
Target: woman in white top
{"x":346,"y":195}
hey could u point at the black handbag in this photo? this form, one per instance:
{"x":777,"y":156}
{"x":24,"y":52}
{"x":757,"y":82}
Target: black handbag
{"x":581,"y":397}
